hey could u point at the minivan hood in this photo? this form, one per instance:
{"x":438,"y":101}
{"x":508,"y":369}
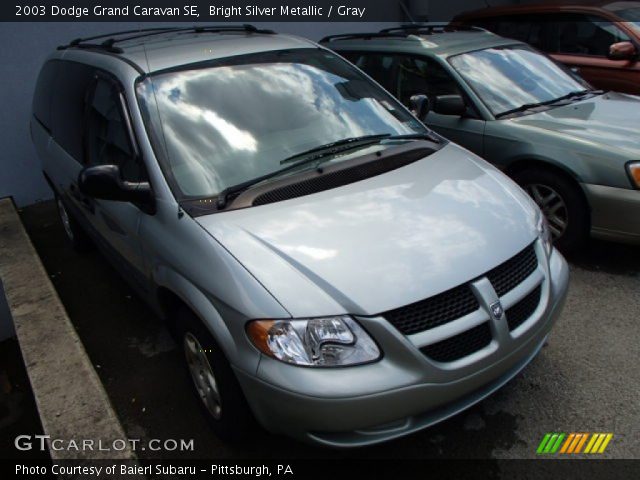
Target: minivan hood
{"x":383,"y":242}
{"x":609,"y":120}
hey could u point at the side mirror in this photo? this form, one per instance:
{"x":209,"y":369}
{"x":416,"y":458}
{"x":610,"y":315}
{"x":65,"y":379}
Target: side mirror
{"x":450,"y":105}
{"x":419,"y":105}
{"x":105,"y":182}
{"x":622,"y":51}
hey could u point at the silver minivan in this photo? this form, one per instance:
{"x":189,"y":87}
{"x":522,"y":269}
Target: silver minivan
{"x":334,"y":269}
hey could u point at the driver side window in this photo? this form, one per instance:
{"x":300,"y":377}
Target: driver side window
{"x":108,"y":141}
{"x":585,"y":35}
{"x":421,"y":76}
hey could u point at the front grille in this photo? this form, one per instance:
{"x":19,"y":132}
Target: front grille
{"x":518,"y":313}
{"x":434,"y":311}
{"x":511,"y":273}
{"x":460,"y":345}
{"x":341,"y":177}
{"x":460,"y":301}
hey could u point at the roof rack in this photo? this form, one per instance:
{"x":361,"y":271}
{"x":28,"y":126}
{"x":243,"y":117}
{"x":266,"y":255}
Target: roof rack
{"x":113,"y":38}
{"x":432,"y":27}
{"x":406,"y":30}
{"x":364,"y":36}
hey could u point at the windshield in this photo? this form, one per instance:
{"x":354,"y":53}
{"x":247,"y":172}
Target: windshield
{"x":630,"y":15}
{"x":507,"y":78}
{"x":227,"y":122}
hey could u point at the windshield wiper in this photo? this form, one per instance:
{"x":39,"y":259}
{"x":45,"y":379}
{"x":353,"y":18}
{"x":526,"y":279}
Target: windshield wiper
{"x":313,"y":155}
{"x":415,"y":136}
{"x":334,"y":147}
{"x":529,"y":106}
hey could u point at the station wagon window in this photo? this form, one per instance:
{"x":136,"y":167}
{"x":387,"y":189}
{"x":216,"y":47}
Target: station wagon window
{"x":108,"y":139}
{"x":578,"y":34}
{"x":405,"y":76}
{"x":509,"y":77}
{"x":420,"y":76}
{"x":379,"y":67}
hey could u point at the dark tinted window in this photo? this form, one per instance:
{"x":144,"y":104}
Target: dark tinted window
{"x":68,"y":105}
{"x":108,"y":139}
{"x":421,"y":76}
{"x":378,"y":66}
{"x":42,"y":95}
{"x":525,"y":28}
{"x":405,"y":76}
{"x":583,"y":35}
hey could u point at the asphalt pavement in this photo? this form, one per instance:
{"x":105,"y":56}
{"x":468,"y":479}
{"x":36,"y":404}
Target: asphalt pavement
{"x":586,"y":379}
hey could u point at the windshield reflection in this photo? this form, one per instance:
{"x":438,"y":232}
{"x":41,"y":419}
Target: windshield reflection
{"x":507,"y":78}
{"x":228,"y":123}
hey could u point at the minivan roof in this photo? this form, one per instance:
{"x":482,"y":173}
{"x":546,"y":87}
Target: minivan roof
{"x":153,"y":50}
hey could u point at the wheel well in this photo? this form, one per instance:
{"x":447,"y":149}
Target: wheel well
{"x":170,"y":303}
{"x":522,"y":165}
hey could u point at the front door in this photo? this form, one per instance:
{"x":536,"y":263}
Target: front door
{"x":109,"y":141}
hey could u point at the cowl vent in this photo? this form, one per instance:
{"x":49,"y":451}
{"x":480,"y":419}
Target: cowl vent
{"x":340,"y":177}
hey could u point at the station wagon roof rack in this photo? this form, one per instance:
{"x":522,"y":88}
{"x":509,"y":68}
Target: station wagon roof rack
{"x":404,"y":31}
{"x":363,"y":35}
{"x":116,"y":37}
{"x":431,"y":27}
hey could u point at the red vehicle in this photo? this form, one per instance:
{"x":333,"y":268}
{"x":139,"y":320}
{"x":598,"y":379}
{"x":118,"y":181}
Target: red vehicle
{"x":600,"y":40}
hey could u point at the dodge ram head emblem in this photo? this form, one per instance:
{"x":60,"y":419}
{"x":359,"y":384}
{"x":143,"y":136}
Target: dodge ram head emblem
{"x":496,"y":310}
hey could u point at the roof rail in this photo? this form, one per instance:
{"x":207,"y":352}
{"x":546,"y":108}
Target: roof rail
{"x":431,"y":27}
{"x":113,"y":38}
{"x":364,"y":36}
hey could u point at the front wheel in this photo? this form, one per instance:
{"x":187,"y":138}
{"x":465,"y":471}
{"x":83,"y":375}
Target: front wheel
{"x":215,"y":383}
{"x":561,"y":203}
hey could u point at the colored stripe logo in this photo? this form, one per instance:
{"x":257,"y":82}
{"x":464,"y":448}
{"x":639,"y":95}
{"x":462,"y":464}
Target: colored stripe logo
{"x":574,"y":443}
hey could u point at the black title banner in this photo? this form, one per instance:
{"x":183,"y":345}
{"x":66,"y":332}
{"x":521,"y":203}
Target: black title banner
{"x":194,"y":11}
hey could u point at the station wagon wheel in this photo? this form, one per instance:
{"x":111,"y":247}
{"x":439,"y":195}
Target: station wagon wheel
{"x":202,"y":375}
{"x":562,"y":203}
{"x":216,"y":386}
{"x":552,"y":206}
{"x":79,"y":239}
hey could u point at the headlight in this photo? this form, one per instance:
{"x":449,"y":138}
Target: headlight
{"x":544,"y":233}
{"x":634,"y":172}
{"x":314,"y":342}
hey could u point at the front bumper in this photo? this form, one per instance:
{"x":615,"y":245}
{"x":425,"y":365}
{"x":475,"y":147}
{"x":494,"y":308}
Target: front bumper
{"x":404,"y":391}
{"x":615,"y":213}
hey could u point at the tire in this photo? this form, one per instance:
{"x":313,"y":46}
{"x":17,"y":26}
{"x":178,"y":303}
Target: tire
{"x":79,"y":239}
{"x":226,"y":408}
{"x":562,"y":203}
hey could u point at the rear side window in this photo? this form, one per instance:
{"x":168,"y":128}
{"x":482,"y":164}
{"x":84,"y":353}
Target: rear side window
{"x":68,"y":106}
{"x":42,"y":96}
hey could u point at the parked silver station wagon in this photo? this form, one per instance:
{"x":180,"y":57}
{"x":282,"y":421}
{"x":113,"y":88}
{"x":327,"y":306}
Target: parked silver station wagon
{"x":334,"y":269}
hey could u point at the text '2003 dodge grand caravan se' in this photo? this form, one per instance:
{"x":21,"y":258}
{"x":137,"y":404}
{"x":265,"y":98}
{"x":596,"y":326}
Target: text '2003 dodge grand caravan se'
{"x":334,"y":269}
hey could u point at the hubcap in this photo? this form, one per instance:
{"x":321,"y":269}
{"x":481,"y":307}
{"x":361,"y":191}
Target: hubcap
{"x":64,"y":216}
{"x":552,"y":206}
{"x":202,"y":375}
